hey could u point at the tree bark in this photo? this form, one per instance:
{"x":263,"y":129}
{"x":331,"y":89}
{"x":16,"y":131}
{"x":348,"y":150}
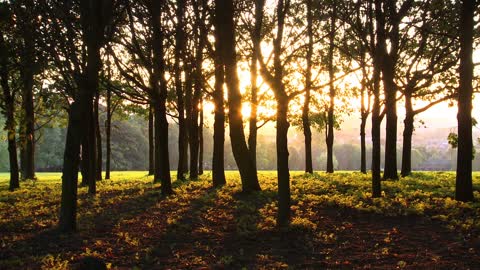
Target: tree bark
{"x":376,"y":119}
{"x":98,"y":139}
{"x":28,"y":157}
{"x":308,"y":85}
{"x":390,"y":59}
{"x":92,"y":147}
{"x":81,"y":111}
{"x":463,"y":185}
{"x":283,"y":217}
{"x":182,"y":167}
{"x":108,"y":133}
{"x":241,"y":153}
{"x":200,"y":141}
{"x":162,"y":163}
{"x":84,"y":162}
{"x":151,"y":144}
{"x":197,"y":88}
{"x":332,"y":92}
{"x":407,"y":136}
{"x":75,"y":132}
{"x":218,"y":162}
{"x":390,"y":90}
{"x":8,"y":108}
{"x":256,"y":39}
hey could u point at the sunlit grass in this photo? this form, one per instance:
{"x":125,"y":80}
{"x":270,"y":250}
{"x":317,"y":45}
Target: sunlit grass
{"x":133,"y":205}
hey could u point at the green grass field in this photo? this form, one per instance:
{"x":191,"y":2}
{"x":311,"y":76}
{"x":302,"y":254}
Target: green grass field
{"x":335,"y":224}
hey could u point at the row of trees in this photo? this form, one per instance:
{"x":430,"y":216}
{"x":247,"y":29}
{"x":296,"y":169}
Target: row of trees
{"x":171,"y":57}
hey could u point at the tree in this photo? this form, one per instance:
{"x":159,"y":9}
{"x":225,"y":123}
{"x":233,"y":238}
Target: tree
{"x":94,"y":17}
{"x":30,"y":65}
{"x":224,"y":22}
{"x":182,"y":167}
{"x":377,"y":48}
{"x":7,"y":75}
{"x":218,"y":161}
{"x":277,"y":85}
{"x":308,"y":85}
{"x":463,"y":185}
{"x":427,"y":60}
{"x":332,"y":90}
{"x":159,"y":95}
{"x":393,"y":13}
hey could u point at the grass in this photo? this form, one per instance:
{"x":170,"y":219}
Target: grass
{"x":335,"y":224}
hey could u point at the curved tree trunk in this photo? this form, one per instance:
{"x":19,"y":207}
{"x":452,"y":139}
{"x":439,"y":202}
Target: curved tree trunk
{"x":463,"y":185}
{"x":246,"y":167}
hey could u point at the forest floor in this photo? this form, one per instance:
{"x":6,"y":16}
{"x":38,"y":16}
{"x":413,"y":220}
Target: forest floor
{"x":335,"y":224}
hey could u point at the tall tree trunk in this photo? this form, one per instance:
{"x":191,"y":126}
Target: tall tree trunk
{"x":108,"y":133}
{"x":364,"y":111}
{"x":376,"y":119}
{"x":98,"y":139}
{"x":162,"y":163}
{"x":92,"y":148}
{"x":200,"y":141}
{"x":182,"y":167}
{"x":218,"y":163}
{"x":193,"y":126}
{"x":407,"y":136}
{"x":81,"y":111}
{"x":308,"y":85}
{"x":332,"y":92}
{"x":282,"y":99}
{"x":9,"y":113}
{"x":283,"y":217}
{"x":390,"y":90}
{"x":197,"y":91}
{"x":246,"y":167}
{"x":256,"y":39}
{"x":28,"y":157}
{"x":151,"y":143}
{"x":363,"y":123}
{"x":463,"y":185}
{"x":75,"y":134}
{"x":188,"y":109}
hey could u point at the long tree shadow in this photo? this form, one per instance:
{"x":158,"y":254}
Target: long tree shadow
{"x":98,"y":217}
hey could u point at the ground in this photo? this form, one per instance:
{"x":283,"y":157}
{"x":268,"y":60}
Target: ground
{"x":335,"y":224}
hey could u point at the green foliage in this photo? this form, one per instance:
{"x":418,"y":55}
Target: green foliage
{"x":453,"y":141}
